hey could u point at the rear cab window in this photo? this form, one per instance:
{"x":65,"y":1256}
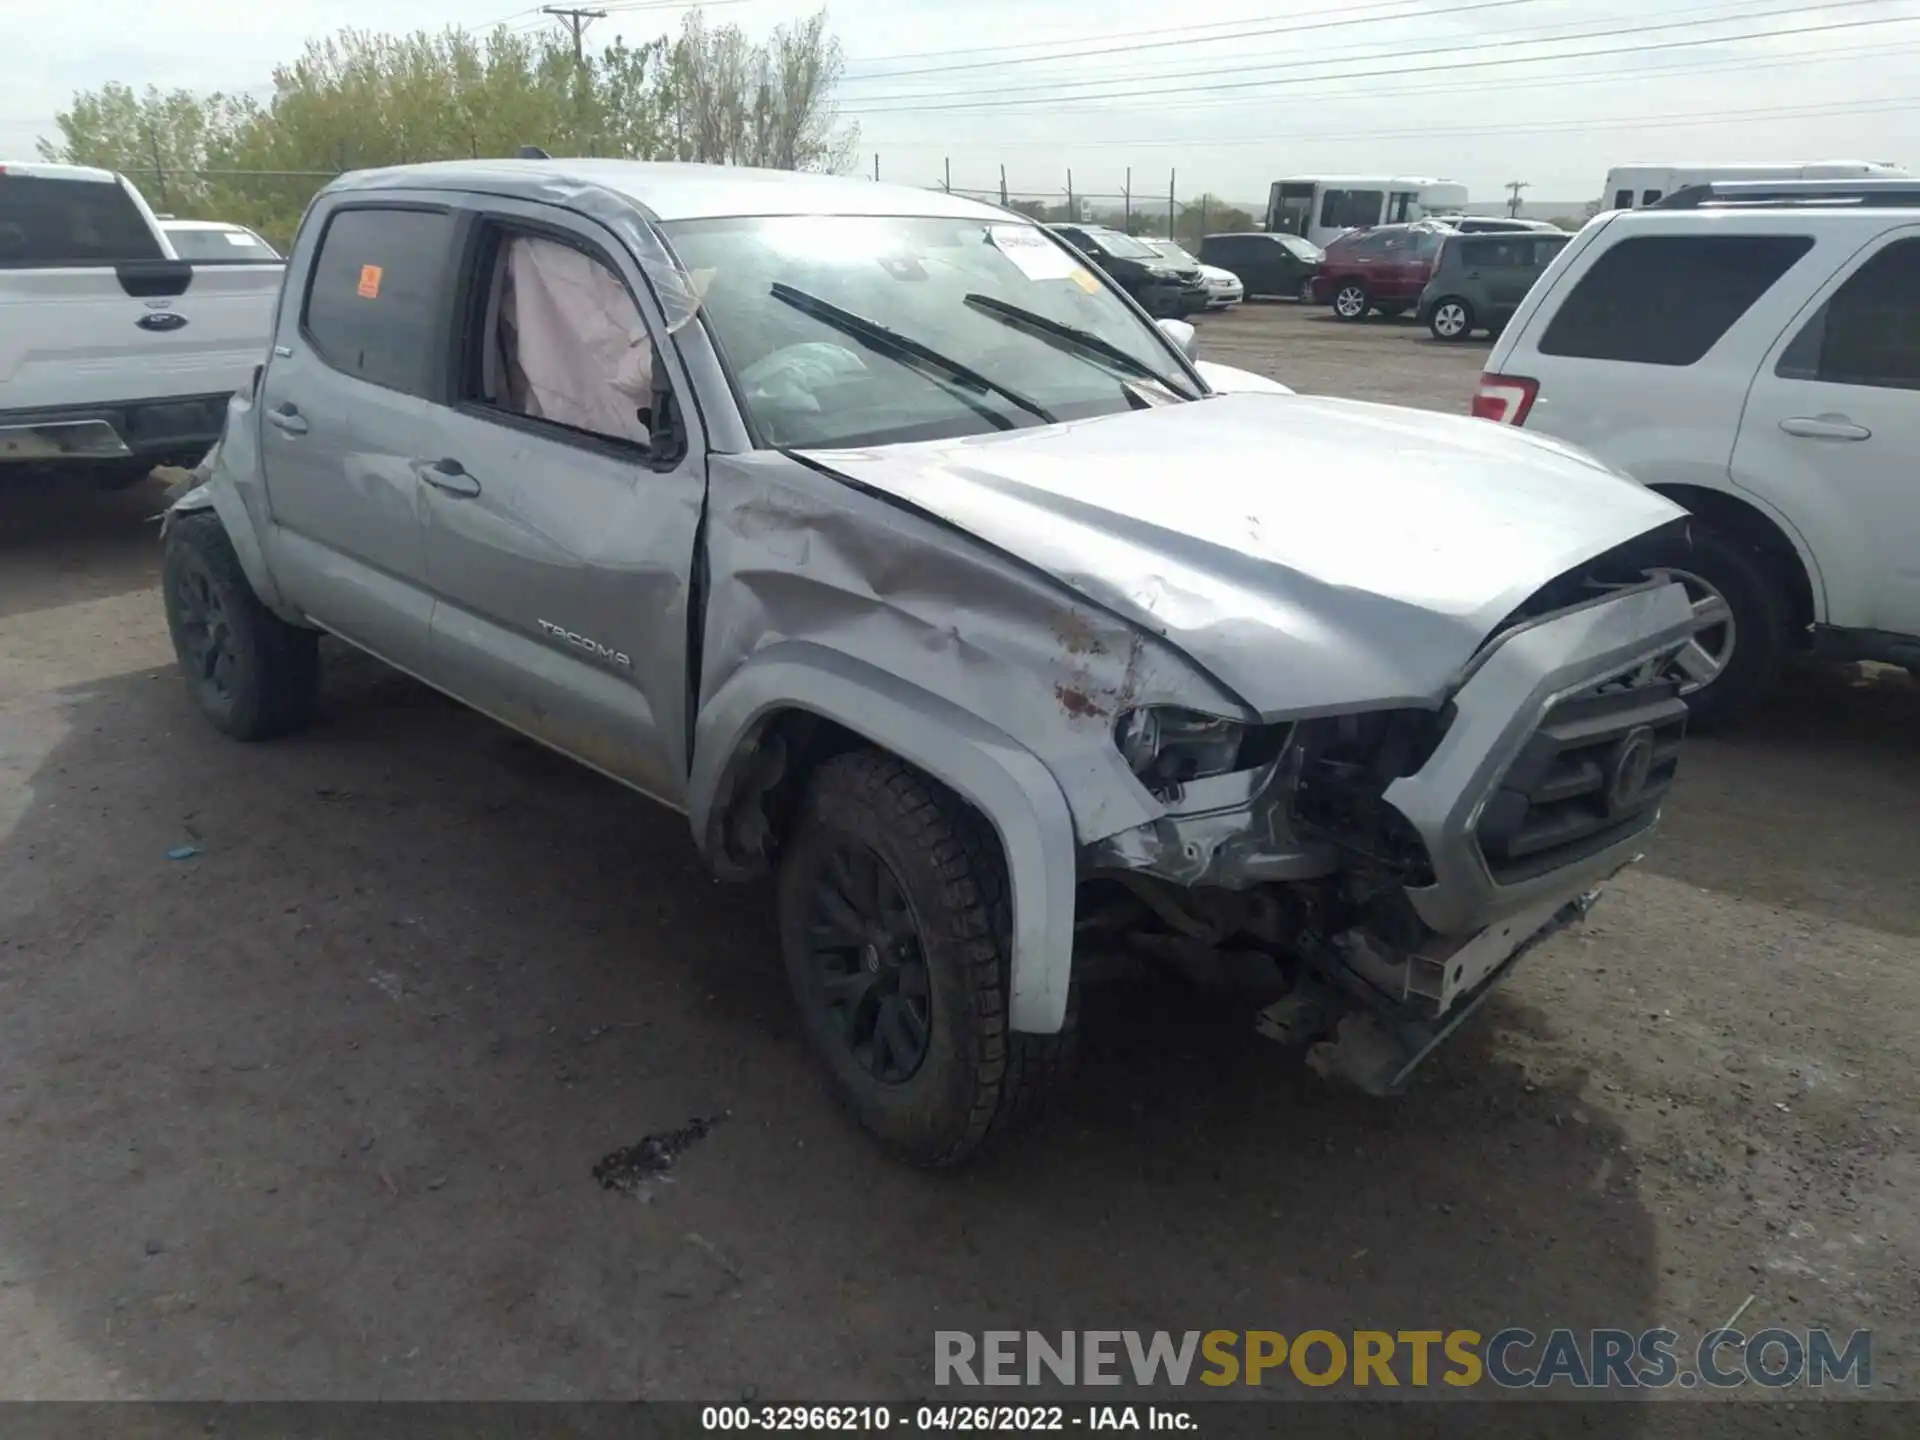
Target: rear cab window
{"x":1667,"y":299}
{"x":65,"y":223}
{"x":375,"y":303}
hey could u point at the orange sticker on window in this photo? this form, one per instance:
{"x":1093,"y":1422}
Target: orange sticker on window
{"x":370,"y":282}
{"x":1084,"y":279}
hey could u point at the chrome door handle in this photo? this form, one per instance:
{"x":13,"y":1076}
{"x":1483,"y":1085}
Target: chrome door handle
{"x":287,"y":419}
{"x":449,"y":477}
{"x":1825,"y":427}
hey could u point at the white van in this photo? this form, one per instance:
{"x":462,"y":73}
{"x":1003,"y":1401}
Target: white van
{"x":1631,"y":186}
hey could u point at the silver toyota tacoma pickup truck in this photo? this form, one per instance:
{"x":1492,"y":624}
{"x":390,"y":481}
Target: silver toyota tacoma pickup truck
{"x":880,"y":535}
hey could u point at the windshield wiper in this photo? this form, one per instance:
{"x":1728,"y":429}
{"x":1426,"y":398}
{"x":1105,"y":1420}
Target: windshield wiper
{"x":1072,"y":337}
{"x":910,"y":352}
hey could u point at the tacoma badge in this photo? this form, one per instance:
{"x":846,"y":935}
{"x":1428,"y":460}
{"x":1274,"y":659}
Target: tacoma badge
{"x":581,"y":642}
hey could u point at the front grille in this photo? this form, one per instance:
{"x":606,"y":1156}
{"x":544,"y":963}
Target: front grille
{"x":1593,"y":774}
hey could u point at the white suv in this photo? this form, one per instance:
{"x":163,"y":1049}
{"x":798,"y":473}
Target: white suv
{"x":1751,"y":351}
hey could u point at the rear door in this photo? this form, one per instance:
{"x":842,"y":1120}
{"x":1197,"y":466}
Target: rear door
{"x":1831,"y":433}
{"x":350,"y":416}
{"x":1505,"y":263}
{"x":558,"y":542}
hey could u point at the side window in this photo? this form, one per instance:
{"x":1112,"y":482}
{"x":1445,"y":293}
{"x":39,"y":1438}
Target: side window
{"x":1345,"y":209}
{"x":1667,"y":299}
{"x":1647,"y":197}
{"x":561,"y":341}
{"x":1545,"y":248}
{"x":374,"y":302}
{"x":1868,"y":333}
{"x":1623,"y":199}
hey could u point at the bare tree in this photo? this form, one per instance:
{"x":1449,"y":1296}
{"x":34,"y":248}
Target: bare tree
{"x":732,"y":102}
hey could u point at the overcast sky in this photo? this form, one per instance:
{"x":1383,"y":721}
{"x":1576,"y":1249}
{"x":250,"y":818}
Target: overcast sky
{"x":1370,"y":86}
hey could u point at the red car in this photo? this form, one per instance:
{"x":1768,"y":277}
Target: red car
{"x":1384,"y":269}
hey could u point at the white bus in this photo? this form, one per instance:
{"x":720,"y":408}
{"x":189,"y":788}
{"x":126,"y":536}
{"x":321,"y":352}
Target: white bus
{"x":1319,"y":209}
{"x":1631,"y":186}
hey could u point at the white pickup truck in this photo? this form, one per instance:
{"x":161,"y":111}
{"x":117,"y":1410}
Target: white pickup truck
{"x":115,"y":354}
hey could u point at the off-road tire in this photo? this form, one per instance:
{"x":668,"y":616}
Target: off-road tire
{"x":980,"y":1082}
{"x":1755,"y":592}
{"x":273,"y":681}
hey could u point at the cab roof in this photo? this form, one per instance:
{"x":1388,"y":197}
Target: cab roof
{"x":667,"y":191}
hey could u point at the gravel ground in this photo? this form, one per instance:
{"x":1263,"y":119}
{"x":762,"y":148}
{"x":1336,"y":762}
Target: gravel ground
{"x":314,"y":1111}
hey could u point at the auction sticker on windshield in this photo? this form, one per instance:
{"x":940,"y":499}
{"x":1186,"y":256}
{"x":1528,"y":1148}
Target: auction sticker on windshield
{"x":1036,"y":257}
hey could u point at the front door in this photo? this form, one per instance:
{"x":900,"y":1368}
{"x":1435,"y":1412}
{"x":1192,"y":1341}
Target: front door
{"x":1831,"y":434}
{"x":559,"y":533}
{"x":348,"y":409}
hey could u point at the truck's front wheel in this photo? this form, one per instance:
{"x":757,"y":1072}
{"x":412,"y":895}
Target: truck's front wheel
{"x":894,"y":928}
{"x":252,"y":674}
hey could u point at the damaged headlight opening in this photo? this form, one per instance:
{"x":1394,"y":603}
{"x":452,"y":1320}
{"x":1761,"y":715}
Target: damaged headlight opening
{"x":1166,"y":746}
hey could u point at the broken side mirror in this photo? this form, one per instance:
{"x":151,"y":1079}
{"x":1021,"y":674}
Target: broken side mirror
{"x":1183,"y":335}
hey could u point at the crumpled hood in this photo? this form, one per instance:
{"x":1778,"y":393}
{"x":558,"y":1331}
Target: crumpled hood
{"x":1315,"y":555}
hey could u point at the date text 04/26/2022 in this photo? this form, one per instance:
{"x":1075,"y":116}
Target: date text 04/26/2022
{"x":982,"y":1419}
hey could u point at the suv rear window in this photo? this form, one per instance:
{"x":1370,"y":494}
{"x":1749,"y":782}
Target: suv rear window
{"x":374,"y":303}
{"x":1667,"y":299}
{"x":50,"y":223}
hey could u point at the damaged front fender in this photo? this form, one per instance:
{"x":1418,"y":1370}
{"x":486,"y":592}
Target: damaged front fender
{"x":984,"y":766}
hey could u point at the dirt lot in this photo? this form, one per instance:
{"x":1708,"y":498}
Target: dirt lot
{"x":313,"y":1111}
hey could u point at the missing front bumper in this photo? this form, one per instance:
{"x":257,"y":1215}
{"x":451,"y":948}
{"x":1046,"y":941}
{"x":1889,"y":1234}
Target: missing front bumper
{"x":1373,"y":1039}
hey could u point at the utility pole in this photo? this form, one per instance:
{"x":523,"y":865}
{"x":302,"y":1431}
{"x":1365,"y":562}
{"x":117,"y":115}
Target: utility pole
{"x":576,"y":21}
{"x":1514,"y":187}
{"x":946,"y":180}
{"x":1003,"y":187}
{"x":1126,"y":200}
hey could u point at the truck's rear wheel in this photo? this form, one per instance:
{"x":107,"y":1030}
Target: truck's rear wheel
{"x":253,"y":675}
{"x":894,"y":925}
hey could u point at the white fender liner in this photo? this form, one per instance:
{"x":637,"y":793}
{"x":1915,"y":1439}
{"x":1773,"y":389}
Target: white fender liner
{"x":1006,"y":783}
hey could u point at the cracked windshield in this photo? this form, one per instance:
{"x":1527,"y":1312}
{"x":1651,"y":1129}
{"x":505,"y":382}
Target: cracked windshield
{"x":857,"y":330}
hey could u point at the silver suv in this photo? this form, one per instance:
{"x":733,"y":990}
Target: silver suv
{"x":899,"y":550}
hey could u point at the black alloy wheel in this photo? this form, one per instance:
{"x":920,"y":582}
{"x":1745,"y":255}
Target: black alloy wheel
{"x":865,"y":943}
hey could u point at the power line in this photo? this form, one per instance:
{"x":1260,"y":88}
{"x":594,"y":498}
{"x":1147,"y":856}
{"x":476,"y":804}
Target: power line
{"x":1369,"y":50}
{"x":1830,"y":110}
{"x":1558,"y":82}
{"x":1345,"y":19}
{"x":1121,"y":35}
{"x":1240,"y":64}
{"x":1450,"y":65}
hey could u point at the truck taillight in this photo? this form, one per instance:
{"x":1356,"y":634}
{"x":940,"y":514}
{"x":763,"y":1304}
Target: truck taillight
{"x":1504,"y":399}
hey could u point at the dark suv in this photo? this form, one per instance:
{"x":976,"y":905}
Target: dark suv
{"x":1480,"y":280}
{"x":1381,"y":269}
{"x":1161,"y":286}
{"x":1267,"y":264}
